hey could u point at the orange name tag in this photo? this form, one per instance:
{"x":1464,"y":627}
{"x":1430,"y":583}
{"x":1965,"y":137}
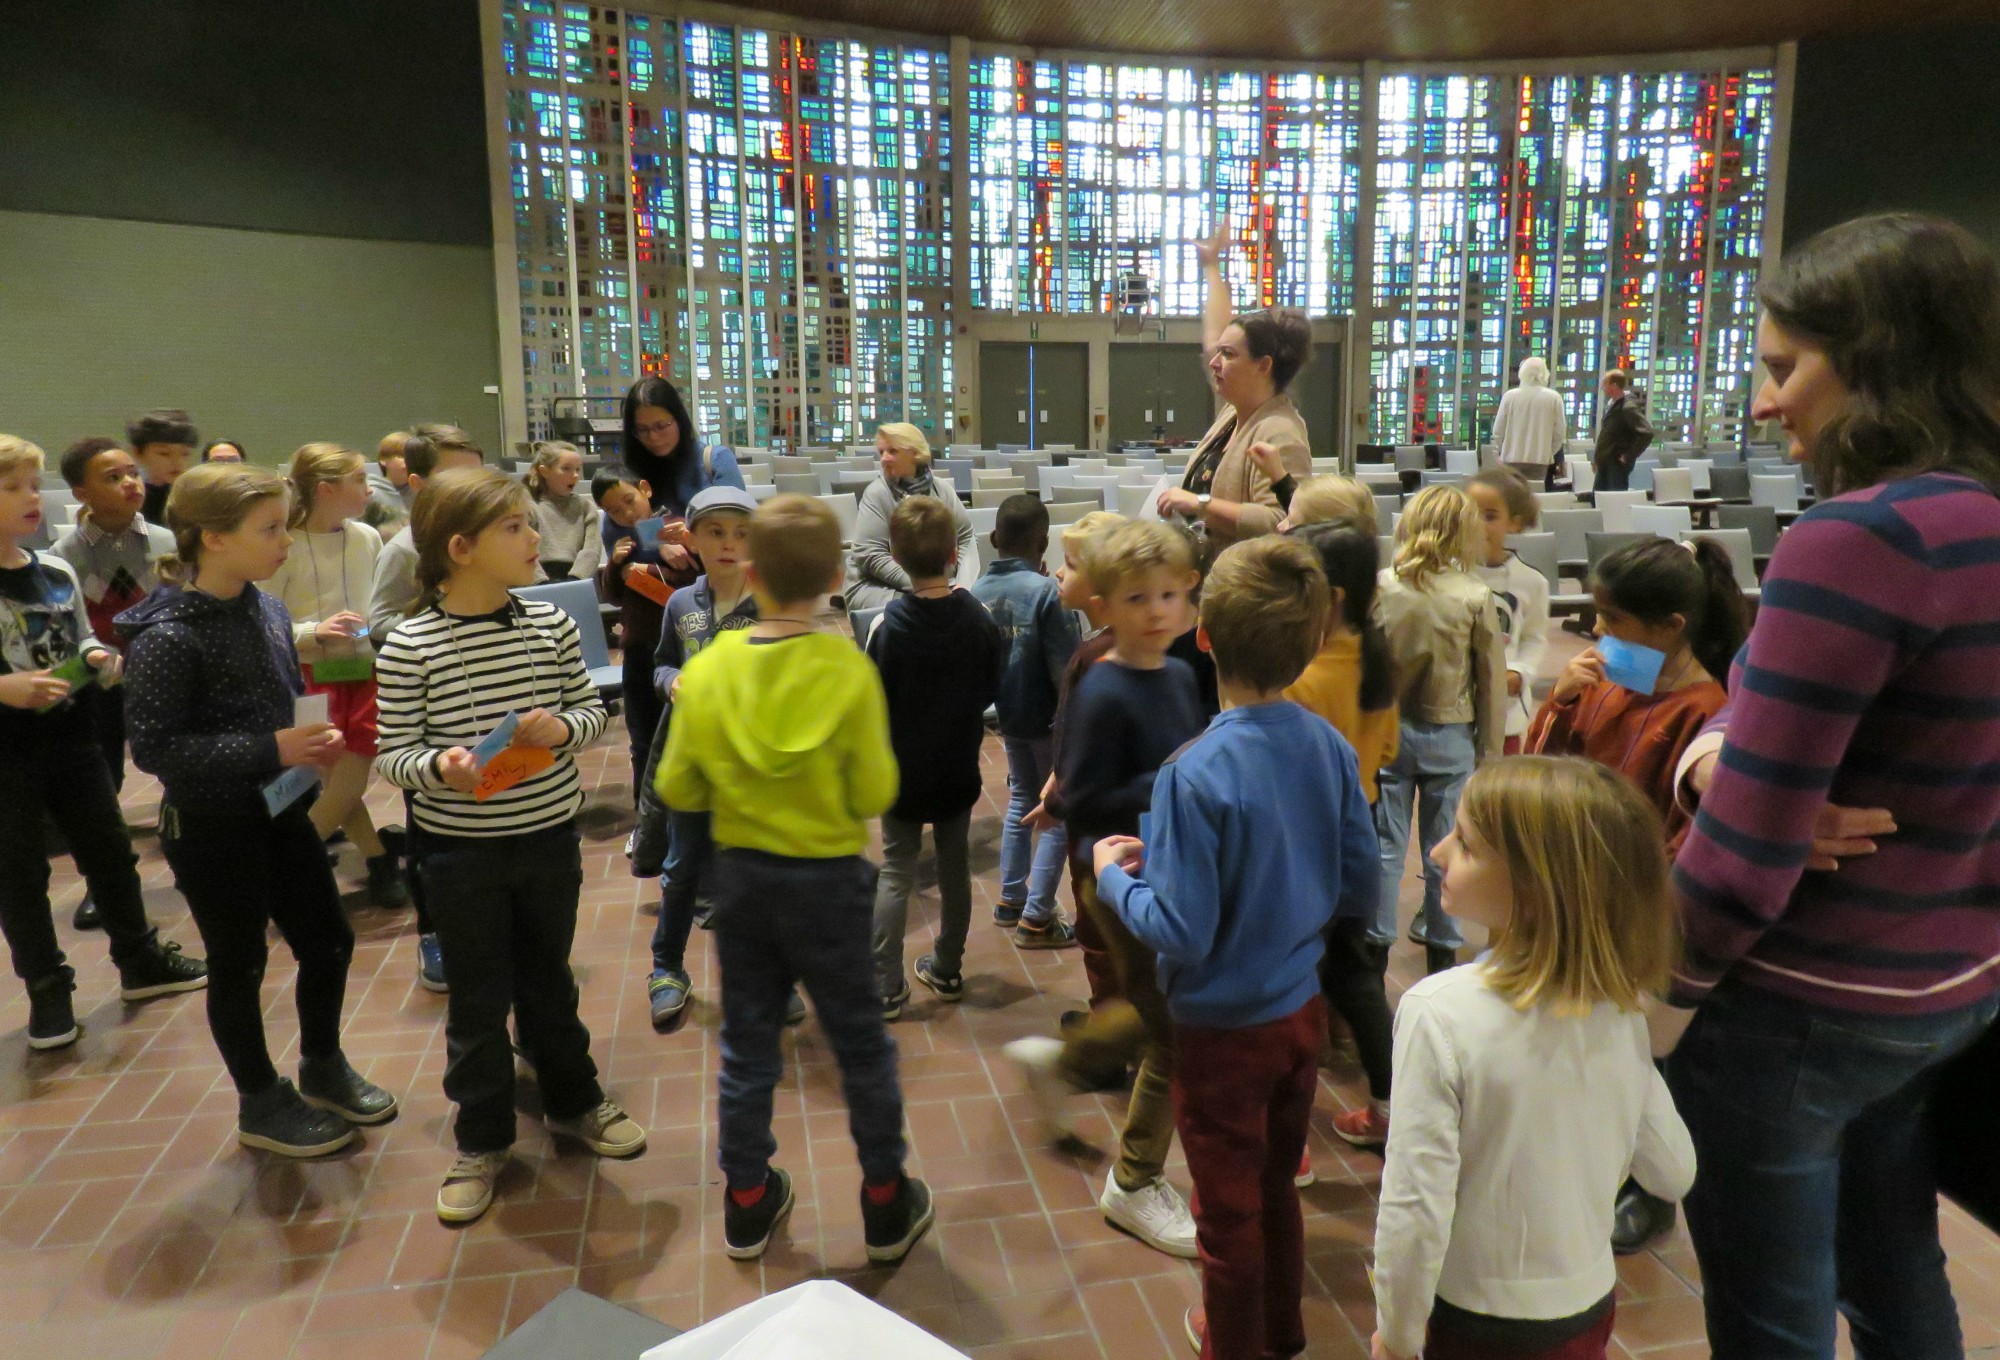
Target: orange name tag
{"x":649,"y":583}
{"x":510,"y":767}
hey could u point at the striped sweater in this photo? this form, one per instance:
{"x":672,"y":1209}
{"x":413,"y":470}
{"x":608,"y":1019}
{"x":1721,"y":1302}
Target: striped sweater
{"x":1872,"y":679}
{"x":523,"y":657}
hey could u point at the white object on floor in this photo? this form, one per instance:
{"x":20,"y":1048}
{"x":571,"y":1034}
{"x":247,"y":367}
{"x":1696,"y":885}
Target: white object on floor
{"x":817,"y":1320}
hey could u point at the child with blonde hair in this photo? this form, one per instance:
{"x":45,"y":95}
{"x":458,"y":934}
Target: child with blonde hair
{"x":476,"y":682}
{"x":1450,"y":657}
{"x":1493,"y":1236}
{"x":571,"y":541}
{"x":324,"y":584}
{"x":1331,"y":498}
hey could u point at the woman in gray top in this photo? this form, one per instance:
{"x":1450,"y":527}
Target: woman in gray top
{"x":873,"y":578}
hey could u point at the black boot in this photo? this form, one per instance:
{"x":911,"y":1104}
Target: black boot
{"x":331,"y":1083}
{"x":87,"y":917}
{"x":385,"y":882}
{"x":279,"y":1120}
{"x":51,"y":1019}
{"x":1437,"y":958}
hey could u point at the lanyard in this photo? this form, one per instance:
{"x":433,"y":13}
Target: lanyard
{"x":312,"y":556}
{"x":465,"y":673}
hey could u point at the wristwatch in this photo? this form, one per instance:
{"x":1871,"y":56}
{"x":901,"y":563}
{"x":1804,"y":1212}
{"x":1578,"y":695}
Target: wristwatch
{"x":1201,"y":503}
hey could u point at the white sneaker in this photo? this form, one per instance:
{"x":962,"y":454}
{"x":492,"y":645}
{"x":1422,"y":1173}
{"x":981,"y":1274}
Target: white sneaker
{"x":1154,"y":1213}
{"x":1040,"y":1060}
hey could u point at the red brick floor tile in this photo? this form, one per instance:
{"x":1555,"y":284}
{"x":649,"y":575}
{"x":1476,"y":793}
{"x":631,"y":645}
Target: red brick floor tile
{"x":132,"y":1223}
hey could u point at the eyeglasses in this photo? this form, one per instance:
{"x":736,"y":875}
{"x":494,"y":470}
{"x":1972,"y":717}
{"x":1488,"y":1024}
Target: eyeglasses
{"x":660,"y":428}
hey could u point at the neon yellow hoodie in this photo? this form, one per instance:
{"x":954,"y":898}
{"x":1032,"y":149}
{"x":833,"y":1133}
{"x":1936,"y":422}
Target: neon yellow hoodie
{"x":785,"y":742}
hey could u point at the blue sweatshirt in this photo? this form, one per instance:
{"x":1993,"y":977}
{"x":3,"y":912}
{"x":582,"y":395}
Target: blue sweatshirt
{"x":1040,"y":635}
{"x":1260,"y":835}
{"x":208,"y":685}
{"x":1121,"y":725}
{"x":691,"y":624}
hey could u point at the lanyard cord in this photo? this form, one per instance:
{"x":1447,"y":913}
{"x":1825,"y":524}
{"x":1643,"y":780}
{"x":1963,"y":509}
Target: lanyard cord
{"x":465,"y":673}
{"x":312,"y":556}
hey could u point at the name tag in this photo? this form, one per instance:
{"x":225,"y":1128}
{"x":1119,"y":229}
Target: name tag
{"x":77,"y":672}
{"x":501,"y":764}
{"x":334,"y":670}
{"x":289,"y":787}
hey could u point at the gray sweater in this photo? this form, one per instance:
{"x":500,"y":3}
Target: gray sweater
{"x":873,"y":576}
{"x":569,"y":530}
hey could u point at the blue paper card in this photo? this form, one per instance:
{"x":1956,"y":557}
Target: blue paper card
{"x":648,"y":532}
{"x":1146,"y":827}
{"x":1627,"y":663}
{"x":288,"y":788}
{"x":496,"y":741}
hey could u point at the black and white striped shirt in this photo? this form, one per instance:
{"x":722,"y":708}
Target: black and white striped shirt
{"x":445,"y":680}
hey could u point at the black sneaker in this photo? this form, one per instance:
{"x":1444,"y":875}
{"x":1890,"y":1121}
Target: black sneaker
{"x":893,"y":1228}
{"x":51,"y":1020}
{"x":161,"y":971}
{"x":1640,"y":1220}
{"x":747,"y":1232}
{"x":395,"y":840}
{"x":332,"y":1084}
{"x":280,"y":1121}
{"x":385,"y":882}
{"x":795,"y":1009}
{"x":948,"y":986}
{"x":88,"y":915}
{"x":1438,"y":958}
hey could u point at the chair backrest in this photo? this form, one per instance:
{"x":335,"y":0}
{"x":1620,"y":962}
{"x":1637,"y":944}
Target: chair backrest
{"x":1729,"y":481}
{"x":982,"y":476}
{"x":1049,"y":478}
{"x":982,"y":517}
{"x":1760,"y":521}
{"x":1701,"y":468}
{"x":1742,"y":560}
{"x":784,"y":462}
{"x":1069,"y":512}
{"x":756,"y":472}
{"x":760,"y":491}
{"x":1641,"y":479}
{"x":578,"y":599}
{"x":1385,"y":549}
{"x":862,"y":621}
{"x":1461,"y":460}
{"x":1386,"y":510}
{"x":1596,"y":547}
{"x":1064,"y":495}
{"x":1668,"y":521}
{"x":1053,"y":560}
{"x":1616,"y":507}
{"x":1321,"y":465}
{"x":1569,"y":528}
{"x":1780,"y":492}
{"x":1411,"y":458}
{"x":1557,"y":500}
{"x":1537,"y":551}
{"x":1133,"y":500}
{"x":1435,"y":477}
{"x":796,"y":483}
{"x":1582,"y":475}
{"x":960,"y":470}
{"x":845,"y":510}
{"x":1673,"y":484}
{"x":1378,"y":480}
{"x":854,"y":483}
{"x":1090,"y":467}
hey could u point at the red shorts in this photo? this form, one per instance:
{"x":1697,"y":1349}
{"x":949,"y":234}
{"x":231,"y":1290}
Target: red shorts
{"x":350,"y":706}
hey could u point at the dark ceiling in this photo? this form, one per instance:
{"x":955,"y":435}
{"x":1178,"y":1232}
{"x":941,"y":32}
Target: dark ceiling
{"x":1404,"y":30}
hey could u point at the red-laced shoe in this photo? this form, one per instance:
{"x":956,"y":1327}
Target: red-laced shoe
{"x":1363,"y":1127}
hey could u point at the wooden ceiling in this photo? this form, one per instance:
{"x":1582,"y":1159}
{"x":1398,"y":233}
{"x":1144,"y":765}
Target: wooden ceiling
{"x":1398,"y":30}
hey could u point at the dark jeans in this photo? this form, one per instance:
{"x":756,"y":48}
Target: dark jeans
{"x":505,"y":910}
{"x":413,"y":880}
{"x":1350,"y":974}
{"x":643,"y":706}
{"x":240,"y":874}
{"x":690,"y":852}
{"x":106,"y":708}
{"x":1242,"y":1101}
{"x":57,"y":774}
{"x":1613,"y":475}
{"x":781,"y":921}
{"x":1818,"y":1188}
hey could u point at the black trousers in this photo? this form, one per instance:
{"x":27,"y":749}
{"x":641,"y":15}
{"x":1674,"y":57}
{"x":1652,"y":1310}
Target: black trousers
{"x":505,"y":910}
{"x":106,"y":708}
{"x":240,"y":874}
{"x":1350,"y":974}
{"x":56,"y":773}
{"x":643,"y":707}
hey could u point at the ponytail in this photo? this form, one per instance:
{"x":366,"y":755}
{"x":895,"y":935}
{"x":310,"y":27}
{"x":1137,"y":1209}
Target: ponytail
{"x":1656,"y":578}
{"x":1351,"y":559}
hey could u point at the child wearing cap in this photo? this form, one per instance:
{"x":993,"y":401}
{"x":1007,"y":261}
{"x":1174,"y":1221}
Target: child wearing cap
{"x":719,"y":601}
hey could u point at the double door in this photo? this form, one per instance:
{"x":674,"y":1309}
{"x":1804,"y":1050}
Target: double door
{"x":1034,"y":394}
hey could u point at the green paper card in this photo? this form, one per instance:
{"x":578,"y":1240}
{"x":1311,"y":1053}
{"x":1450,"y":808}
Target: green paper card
{"x":75,"y":670}
{"x":336,"y":669}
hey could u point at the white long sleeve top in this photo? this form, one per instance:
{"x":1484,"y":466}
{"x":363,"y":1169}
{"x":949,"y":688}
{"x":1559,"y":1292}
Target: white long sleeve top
{"x":1530,"y":426}
{"x":324,"y":575}
{"x":1521,"y":596}
{"x":1511,"y":1135}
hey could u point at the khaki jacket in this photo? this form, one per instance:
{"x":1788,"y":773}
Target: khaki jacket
{"x":1276,"y":422}
{"x":1451,"y":657}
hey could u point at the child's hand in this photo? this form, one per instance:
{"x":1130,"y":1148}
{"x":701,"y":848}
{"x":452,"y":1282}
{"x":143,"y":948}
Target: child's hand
{"x":674,"y":690}
{"x":1513,"y":683}
{"x":622,"y":549}
{"x":539,"y":727}
{"x":1579,"y":675}
{"x":108,"y":665}
{"x":314,"y":744}
{"x":1040,"y":819}
{"x":1127,"y":852}
{"x":31,"y":689}
{"x":457,"y":770}
{"x":342,"y":625}
{"x":675,"y":556}
{"x":1378,"y":1350}
{"x":1265,"y":456}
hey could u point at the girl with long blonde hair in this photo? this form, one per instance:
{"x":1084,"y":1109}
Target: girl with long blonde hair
{"x":1494,"y":1233}
{"x":1450,"y":658}
{"x":325,"y":584}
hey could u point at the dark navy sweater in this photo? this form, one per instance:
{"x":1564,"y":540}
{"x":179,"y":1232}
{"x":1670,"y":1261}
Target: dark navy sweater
{"x":1120,"y":726}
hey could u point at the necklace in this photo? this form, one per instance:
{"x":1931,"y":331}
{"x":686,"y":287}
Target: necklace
{"x":465,"y":673}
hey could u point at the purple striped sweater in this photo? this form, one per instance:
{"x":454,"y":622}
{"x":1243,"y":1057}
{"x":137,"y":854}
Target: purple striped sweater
{"x":1872,"y":679}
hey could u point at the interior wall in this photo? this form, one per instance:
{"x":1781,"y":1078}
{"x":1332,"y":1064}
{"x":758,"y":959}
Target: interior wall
{"x":1896,"y":121}
{"x":277,"y":217}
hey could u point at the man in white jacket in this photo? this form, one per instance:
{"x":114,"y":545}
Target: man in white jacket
{"x":1531,"y":425}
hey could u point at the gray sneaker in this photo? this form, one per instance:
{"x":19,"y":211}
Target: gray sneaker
{"x":280,"y":1121}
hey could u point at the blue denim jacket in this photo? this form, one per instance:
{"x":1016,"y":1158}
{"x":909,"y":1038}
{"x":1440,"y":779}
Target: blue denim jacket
{"x":1040,"y":636}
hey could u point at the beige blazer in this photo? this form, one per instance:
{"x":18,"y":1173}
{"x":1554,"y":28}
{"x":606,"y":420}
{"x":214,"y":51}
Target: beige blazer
{"x":1276,"y":422}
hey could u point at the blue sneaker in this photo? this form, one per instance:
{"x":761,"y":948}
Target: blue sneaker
{"x":430,"y":964}
{"x":667,"y":995}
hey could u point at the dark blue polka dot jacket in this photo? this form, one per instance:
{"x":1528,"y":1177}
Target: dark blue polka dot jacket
{"x":208,"y":685}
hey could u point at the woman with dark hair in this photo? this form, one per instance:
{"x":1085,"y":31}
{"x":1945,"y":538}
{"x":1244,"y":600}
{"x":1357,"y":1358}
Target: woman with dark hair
{"x":1252,"y":359}
{"x":660,"y":447}
{"x":1815,"y":1004}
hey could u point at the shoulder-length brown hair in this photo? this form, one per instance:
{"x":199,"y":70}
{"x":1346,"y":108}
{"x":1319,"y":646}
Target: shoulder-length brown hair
{"x":1907,"y":309}
{"x":460,"y":503}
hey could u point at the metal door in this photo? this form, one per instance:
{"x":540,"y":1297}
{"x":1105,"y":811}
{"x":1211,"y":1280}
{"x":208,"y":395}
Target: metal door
{"x":1005,"y":405}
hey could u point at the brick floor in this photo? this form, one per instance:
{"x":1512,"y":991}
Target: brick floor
{"x":132,"y":1224}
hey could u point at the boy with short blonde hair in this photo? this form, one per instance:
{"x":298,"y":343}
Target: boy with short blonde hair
{"x":1239,"y":880}
{"x":780,"y":733}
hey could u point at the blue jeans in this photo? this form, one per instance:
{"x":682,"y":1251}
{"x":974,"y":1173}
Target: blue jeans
{"x":1817,"y":1187}
{"x":689,"y":854}
{"x":780,"y":921}
{"x":1030,"y":886}
{"x":1432,"y":763}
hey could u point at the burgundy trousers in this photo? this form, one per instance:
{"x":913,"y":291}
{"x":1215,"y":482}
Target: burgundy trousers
{"x":1590,"y":1345}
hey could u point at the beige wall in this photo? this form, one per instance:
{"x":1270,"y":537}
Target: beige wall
{"x":272,"y":338}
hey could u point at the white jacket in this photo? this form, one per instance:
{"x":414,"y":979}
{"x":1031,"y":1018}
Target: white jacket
{"x":1531,"y":426}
